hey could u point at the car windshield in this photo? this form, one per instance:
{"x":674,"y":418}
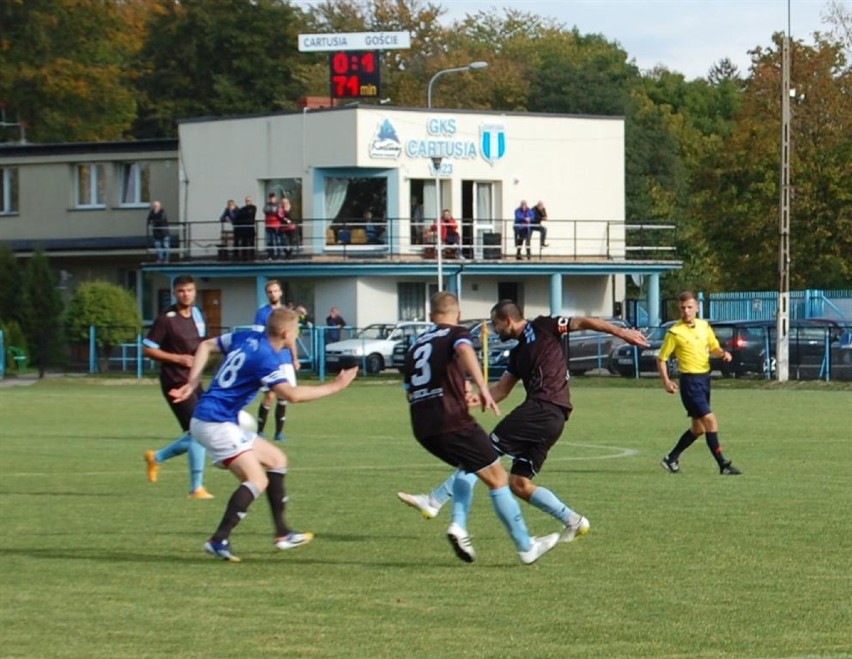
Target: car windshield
{"x":376,"y":331}
{"x":656,"y":333}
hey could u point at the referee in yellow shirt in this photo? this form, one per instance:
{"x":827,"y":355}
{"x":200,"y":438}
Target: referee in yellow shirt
{"x":692,"y":340}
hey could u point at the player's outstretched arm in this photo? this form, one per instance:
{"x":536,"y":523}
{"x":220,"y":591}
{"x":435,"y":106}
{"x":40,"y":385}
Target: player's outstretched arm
{"x":304,"y":394}
{"x":632,"y":336}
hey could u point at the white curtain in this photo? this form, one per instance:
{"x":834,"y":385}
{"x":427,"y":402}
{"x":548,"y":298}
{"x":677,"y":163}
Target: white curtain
{"x":430,"y":204}
{"x":484,"y":212}
{"x":335,"y":195}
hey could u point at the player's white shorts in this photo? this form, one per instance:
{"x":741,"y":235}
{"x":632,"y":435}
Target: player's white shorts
{"x":222,"y":439}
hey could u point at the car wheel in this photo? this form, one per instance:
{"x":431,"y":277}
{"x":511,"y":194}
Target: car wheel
{"x":576,"y":371}
{"x":375,"y":363}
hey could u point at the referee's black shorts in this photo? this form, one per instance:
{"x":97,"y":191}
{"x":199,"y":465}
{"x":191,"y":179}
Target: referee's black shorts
{"x":527,"y":434}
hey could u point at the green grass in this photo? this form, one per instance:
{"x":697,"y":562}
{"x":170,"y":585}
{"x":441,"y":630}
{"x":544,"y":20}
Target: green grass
{"x":99,"y":563}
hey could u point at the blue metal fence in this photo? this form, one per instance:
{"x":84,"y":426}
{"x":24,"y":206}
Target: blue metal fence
{"x":763,"y":305}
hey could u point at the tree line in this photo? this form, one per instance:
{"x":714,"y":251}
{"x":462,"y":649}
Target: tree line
{"x":702,"y":154}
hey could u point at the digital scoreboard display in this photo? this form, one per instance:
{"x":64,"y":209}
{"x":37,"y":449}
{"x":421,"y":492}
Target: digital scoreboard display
{"x":355,"y":74}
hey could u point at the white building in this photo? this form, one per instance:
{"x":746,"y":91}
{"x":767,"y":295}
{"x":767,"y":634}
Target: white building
{"x":336,"y":164}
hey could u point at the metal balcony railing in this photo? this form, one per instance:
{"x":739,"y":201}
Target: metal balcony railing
{"x":402,"y":239}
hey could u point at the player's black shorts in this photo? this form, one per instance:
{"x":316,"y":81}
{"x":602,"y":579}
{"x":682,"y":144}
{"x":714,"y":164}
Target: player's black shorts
{"x":468,"y":449}
{"x":184,"y":410}
{"x":527,"y":434}
{"x":695,"y":394}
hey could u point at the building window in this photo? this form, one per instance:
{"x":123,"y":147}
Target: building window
{"x":135,"y":184}
{"x":8,"y":190}
{"x":90,"y":186}
{"x":411,"y":298}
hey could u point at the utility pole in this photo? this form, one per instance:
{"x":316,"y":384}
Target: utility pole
{"x":782,"y":346}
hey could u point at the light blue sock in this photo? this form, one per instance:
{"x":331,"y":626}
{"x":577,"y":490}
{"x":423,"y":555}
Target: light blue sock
{"x":196,"y":465}
{"x":548,"y":502}
{"x":509,"y":512}
{"x":444,"y":491}
{"x":177,"y":447}
{"x":462,"y":497}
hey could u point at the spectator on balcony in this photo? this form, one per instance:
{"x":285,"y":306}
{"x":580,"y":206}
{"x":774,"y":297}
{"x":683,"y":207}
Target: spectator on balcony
{"x":449,"y":232}
{"x":244,"y":230}
{"x":158,"y":221}
{"x":289,"y":227}
{"x":539,"y":215}
{"x":523,"y":229}
{"x":375,"y":231}
{"x":272,"y":222}
{"x":229,"y":215}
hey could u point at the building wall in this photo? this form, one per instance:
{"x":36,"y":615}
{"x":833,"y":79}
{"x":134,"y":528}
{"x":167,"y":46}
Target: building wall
{"x":574,"y":164}
{"x":47,"y":194}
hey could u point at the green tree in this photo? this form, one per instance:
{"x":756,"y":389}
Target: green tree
{"x":64,"y":67}
{"x":217,"y":57}
{"x":41,"y":315}
{"x":737,"y":194}
{"x":110,"y":308}
{"x":10,"y":285}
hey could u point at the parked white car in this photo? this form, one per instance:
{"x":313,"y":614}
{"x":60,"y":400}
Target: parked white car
{"x":372,"y":346}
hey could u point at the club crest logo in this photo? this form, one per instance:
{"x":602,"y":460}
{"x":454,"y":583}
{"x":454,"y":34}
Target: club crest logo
{"x":492,"y":142}
{"x":385,"y":143}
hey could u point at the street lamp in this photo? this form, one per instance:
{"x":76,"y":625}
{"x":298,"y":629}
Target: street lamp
{"x":473,"y":66}
{"x":436,"y":164}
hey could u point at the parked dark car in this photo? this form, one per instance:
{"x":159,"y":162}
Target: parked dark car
{"x":752,"y":345}
{"x":588,"y":350}
{"x":624,"y":359}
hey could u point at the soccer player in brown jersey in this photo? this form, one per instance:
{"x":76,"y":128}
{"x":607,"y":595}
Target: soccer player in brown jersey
{"x":172,"y":341}
{"x":531,"y":429}
{"x":435,"y":373}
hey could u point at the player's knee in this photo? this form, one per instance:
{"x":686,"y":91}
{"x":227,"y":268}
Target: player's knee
{"x":521,"y":487}
{"x":261,"y":482}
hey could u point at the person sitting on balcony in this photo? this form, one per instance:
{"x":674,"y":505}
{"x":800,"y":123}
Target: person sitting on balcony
{"x":374,"y":230}
{"x":539,"y":215}
{"x":449,"y":232}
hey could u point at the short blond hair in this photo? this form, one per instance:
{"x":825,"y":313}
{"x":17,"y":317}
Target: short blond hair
{"x":444,"y":303}
{"x":279,"y":319}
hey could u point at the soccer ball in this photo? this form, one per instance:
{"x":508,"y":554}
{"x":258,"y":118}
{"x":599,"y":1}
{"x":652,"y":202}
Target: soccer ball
{"x":247,"y":422}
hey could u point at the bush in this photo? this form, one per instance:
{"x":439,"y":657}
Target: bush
{"x":109,"y":307}
{"x":12,"y":336}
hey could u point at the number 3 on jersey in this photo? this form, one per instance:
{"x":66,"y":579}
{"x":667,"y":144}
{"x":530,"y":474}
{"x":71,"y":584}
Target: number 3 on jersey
{"x":230,"y":368}
{"x":423,"y":371}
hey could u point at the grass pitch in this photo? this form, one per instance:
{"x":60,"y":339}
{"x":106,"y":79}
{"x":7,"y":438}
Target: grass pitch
{"x":99,"y":563}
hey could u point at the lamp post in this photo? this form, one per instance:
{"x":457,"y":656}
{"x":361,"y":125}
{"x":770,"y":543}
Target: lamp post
{"x":436,"y":164}
{"x":473,"y":66}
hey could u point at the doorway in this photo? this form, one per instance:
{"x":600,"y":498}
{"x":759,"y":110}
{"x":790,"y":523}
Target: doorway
{"x":211,"y":307}
{"x":478,"y":216}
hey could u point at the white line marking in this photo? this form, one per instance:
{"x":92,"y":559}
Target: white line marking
{"x":619,"y":452}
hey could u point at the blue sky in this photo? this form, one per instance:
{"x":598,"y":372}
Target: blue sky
{"x":687,"y":36}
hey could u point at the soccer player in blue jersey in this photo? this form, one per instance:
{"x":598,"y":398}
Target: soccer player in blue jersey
{"x":251,"y":360}
{"x":528,"y":432}
{"x":172,"y":341}
{"x":274,"y":294}
{"x":434,"y":372}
